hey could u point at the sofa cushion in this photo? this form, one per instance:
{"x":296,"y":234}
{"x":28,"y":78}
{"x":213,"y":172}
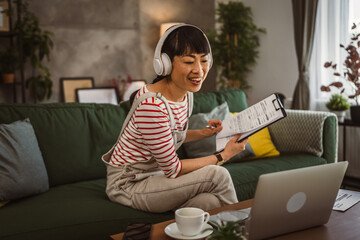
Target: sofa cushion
{"x":22,"y":168}
{"x":207,"y":146}
{"x":246,"y":174}
{"x":307,"y":136}
{"x":235,"y":98}
{"x":72,"y":136}
{"x":71,"y":211}
{"x":205,"y":102}
{"x":262,"y":144}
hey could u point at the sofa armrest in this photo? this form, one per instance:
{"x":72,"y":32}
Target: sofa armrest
{"x":312,"y":132}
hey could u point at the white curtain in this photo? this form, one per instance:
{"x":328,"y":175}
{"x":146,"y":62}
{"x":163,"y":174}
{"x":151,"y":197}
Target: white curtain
{"x":331,"y":29}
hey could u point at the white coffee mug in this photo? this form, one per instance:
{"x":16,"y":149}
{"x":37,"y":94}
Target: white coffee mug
{"x":190,"y":221}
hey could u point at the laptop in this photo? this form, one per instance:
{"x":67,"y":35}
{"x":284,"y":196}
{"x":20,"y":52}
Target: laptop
{"x":294,"y":200}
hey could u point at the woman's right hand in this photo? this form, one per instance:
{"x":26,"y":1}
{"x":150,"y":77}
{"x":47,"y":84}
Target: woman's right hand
{"x":234,"y":147}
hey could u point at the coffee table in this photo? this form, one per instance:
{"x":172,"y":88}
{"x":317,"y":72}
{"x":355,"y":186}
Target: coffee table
{"x":341,"y":225}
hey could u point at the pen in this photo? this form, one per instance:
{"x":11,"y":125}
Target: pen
{"x":211,"y":127}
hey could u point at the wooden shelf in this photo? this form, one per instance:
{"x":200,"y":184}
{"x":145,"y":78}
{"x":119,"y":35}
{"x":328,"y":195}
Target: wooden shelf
{"x":9,"y":34}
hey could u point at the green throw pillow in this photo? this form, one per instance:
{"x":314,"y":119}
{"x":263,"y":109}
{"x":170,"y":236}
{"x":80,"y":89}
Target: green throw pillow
{"x":207,"y":146}
{"x":22,"y":168}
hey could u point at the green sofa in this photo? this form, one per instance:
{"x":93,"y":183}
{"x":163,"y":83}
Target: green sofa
{"x":73,"y":136}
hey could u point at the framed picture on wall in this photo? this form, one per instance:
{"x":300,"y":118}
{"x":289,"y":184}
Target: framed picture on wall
{"x":98,"y":95}
{"x":69,"y":85}
{"x":4,"y":18}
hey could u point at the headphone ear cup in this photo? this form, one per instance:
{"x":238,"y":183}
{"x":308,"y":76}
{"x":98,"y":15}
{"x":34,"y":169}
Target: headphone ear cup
{"x":167,"y":65}
{"x":158,"y":67}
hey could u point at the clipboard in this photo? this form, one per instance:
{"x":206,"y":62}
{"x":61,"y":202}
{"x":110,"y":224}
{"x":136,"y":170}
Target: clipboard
{"x":256,"y":117}
{"x":278,"y":106}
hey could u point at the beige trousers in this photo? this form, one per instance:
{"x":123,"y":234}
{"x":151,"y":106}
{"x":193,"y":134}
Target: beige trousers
{"x":205,"y":188}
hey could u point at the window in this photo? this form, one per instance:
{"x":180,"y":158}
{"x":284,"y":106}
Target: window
{"x":333,"y":24}
{"x":354,"y":13}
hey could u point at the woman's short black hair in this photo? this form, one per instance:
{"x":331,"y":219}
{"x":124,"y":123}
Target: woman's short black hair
{"x":183,"y":40}
{"x":186,"y":39}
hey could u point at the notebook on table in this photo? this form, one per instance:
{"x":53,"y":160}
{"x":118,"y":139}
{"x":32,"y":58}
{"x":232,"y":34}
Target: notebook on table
{"x":294,"y":200}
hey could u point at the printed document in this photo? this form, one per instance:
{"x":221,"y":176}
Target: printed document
{"x":250,"y":120}
{"x":346,"y":199}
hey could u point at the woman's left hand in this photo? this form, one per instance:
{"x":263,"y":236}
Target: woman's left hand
{"x":212,"y":128}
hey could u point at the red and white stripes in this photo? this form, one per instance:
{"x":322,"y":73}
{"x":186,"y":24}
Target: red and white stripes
{"x":148,"y":135}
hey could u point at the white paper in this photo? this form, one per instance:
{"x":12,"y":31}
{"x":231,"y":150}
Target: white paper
{"x":346,"y":199}
{"x":249,"y":120}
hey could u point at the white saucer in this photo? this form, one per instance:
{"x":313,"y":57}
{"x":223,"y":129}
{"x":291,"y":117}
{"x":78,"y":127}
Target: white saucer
{"x":172,"y":231}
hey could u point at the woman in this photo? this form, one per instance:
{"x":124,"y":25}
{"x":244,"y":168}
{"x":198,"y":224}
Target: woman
{"x":144,"y":171}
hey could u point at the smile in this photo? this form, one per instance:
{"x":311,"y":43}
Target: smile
{"x":195,"y":80}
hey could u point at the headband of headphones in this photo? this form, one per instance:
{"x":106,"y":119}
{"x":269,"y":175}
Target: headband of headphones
{"x":162,"y":63}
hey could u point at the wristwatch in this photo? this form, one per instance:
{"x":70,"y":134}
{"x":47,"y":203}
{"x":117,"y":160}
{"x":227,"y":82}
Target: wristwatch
{"x":219,"y":158}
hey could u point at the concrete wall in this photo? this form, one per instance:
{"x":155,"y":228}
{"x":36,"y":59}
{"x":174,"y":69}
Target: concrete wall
{"x":108,"y":38}
{"x":111,"y":38}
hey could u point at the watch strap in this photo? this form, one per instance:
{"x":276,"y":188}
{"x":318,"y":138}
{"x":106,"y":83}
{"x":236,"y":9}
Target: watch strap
{"x":220,"y":160}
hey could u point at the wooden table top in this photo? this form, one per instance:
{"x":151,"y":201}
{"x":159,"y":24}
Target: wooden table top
{"x":341,"y":225}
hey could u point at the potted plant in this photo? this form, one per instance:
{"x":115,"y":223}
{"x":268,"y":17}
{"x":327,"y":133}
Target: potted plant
{"x":37,"y":45}
{"x":350,"y":73}
{"x":231,"y":230}
{"x":9,"y":60}
{"x":338,"y":105}
{"x":235,"y":46}
{"x":40,"y":84}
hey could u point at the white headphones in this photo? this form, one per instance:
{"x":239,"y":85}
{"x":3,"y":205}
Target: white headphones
{"x":162,"y":63}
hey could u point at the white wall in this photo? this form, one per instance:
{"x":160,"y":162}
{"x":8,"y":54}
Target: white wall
{"x":276,"y":69}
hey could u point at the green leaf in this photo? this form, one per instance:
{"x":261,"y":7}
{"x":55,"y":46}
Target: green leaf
{"x":235,"y":46}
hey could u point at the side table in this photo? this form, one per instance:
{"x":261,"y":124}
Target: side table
{"x":347,"y":123}
{"x":348,"y":181}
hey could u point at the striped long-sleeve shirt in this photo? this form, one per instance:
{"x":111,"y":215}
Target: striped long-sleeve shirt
{"x":148,"y":135}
